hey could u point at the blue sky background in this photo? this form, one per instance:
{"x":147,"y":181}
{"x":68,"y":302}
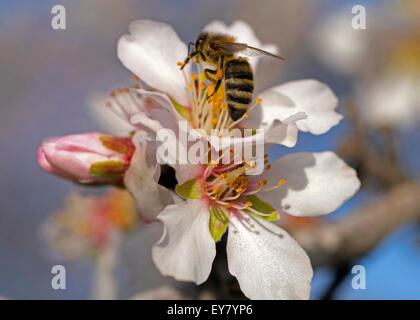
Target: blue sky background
{"x":45,"y":79}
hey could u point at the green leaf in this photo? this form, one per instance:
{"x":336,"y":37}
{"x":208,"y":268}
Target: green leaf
{"x":219,"y":221}
{"x":180,"y":109}
{"x":118,"y":144}
{"x":108,"y":169}
{"x":190,"y":189}
{"x":260,"y":206}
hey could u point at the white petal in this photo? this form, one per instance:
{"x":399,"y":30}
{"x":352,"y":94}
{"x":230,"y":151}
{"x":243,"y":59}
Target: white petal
{"x":152,"y":51}
{"x":161,"y":101}
{"x":106,"y":117}
{"x":312,"y":97}
{"x":186,"y":250}
{"x":279,"y":126}
{"x":140,"y":180}
{"x":282,"y":133}
{"x":267,"y":261}
{"x":241,"y":139}
{"x":185,"y":172}
{"x":148,"y":124}
{"x":185,"y":137}
{"x":316,"y":183}
{"x":276,"y":115}
{"x":317,"y":100}
{"x":243,"y":33}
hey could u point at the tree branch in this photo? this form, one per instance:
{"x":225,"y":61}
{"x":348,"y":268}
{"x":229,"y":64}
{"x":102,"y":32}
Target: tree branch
{"x":335,"y":243}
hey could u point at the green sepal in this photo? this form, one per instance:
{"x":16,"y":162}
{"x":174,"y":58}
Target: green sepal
{"x":260,"y":206}
{"x":111,"y":169}
{"x":190,"y":189}
{"x":118,"y":144}
{"x":219,"y":221}
{"x":180,"y":109}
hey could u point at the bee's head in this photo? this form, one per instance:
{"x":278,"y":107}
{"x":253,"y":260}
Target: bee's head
{"x":196,"y":47}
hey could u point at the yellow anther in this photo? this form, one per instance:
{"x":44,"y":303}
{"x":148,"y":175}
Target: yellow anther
{"x":238,"y":190}
{"x":265,"y":155}
{"x":213,"y":163}
{"x":179,"y":63}
{"x":202,"y":86}
{"x":197,"y":103}
{"x":259,"y":100}
{"x":245,"y":115}
{"x":193,"y":77}
{"x":231,"y":150}
{"x":228,"y":205}
{"x":113,"y":94}
{"x":136,"y":86}
{"x":135,"y":78}
{"x":223,"y":107}
{"x":215,"y":189}
{"x":214,"y":121}
{"x":191,"y":86}
{"x":281,"y":182}
{"x":195,"y":60}
{"x":265,"y":161}
{"x":202,"y":77}
{"x":210,"y":89}
{"x":260,"y":183}
{"x":248,"y":204}
{"x":223,"y":175}
{"x":274,"y":213}
{"x":268,"y":167}
{"x":264,"y":181}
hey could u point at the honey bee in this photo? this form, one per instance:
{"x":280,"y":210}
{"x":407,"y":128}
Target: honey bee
{"x":221,"y":51}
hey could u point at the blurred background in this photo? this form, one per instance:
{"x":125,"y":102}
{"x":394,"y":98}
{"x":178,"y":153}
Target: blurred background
{"x":47,"y":77}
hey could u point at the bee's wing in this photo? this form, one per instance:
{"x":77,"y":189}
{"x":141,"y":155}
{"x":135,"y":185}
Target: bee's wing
{"x":243,"y":48}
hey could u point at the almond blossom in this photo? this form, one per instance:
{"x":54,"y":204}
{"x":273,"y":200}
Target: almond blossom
{"x":267,"y":262}
{"x":264,"y":258}
{"x":87,"y":158}
{"x":86,"y":225}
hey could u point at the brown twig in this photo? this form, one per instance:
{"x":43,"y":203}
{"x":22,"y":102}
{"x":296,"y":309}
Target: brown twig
{"x":371,"y":162}
{"x":335,"y":243}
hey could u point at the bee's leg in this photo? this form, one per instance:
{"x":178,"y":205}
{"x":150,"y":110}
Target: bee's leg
{"x":217,"y":75}
{"x":218,"y":83}
{"x":219,"y":71}
{"x":211,"y":75}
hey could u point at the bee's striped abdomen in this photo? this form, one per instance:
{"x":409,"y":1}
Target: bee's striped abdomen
{"x":239,"y":85}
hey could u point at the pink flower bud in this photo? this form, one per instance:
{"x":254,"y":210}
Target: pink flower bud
{"x":87,"y":158}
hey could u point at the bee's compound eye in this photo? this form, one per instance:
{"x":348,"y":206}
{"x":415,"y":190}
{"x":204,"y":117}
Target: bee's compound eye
{"x":200,"y":40}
